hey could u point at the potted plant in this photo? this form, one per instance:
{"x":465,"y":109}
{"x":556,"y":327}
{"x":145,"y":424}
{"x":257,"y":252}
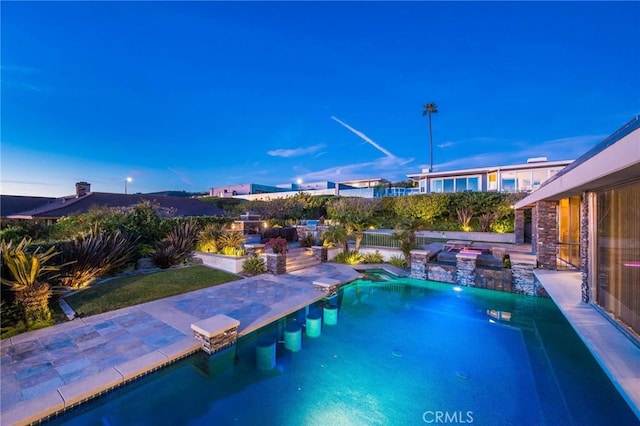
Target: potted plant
{"x":277,"y":245}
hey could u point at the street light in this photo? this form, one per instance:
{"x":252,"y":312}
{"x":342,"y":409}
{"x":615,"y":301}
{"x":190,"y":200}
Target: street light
{"x":126,"y":181}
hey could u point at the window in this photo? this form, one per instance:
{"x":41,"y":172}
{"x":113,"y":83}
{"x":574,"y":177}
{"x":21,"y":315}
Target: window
{"x":493,"y":182}
{"x":539,"y":176}
{"x":473,"y":184}
{"x":617,"y":262}
{"x":458,"y":184}
{"x":449,"y":185}
{"x":569,"y":230}
{"x":524,"y":181}
{"x":508,"y":182}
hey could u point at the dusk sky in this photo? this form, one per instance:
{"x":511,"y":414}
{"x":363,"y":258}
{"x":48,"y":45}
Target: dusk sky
{"x":187,"y":96}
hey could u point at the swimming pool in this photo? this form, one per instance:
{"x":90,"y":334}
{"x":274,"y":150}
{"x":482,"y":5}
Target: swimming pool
{"x":402,"y":352}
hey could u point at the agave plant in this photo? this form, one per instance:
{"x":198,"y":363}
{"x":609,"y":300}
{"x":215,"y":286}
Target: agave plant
{"x":26,"y":270}
{"x":94,"y":254}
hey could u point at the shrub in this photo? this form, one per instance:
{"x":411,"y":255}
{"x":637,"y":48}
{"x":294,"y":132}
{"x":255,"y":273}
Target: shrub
{"x":92,"y":255}
{"x":277,"y":245}
{"x":230,"y":242}
{"x":254,"y":266}
{"x":350,"y":258}
{"x":503,"y":225}
{"x":209,"y":240}
{"x":177,"y":246}
{"x":373,"y":257}
{"x":486,"y":220}
{"x":307,"y":241}
{"x":398,"y":261}
{"x":166,"y":255}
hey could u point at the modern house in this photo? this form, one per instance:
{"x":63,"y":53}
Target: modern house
{"x":586,"y":238}
{"x":83,"y":200}
{"x":509,"y":178}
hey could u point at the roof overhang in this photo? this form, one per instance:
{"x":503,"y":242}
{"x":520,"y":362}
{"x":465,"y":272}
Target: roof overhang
{"x":619,"y":162}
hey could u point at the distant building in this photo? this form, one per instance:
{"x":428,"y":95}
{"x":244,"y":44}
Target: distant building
{"x":367,"y":183}
{"x":50,"y":210}
{"x":510,"y":178}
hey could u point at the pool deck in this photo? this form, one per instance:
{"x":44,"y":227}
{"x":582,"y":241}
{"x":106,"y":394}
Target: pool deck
{"x":55,"y":368}
{"x":616,"y":354}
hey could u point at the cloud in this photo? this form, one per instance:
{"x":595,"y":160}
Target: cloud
{"x":295,"y":152}
{"x":182,"y":175}
{"x":365,"y":137}
{"x":446,"y":145}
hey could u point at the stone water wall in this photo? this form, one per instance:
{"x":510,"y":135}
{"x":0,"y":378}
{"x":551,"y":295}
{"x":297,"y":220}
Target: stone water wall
{"x":277,"y":263}
{"x":466,"y":268}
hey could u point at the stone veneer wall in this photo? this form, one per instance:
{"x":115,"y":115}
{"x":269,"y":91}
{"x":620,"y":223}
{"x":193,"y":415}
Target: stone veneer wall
{"x":584,"y":246}
{"x":277,"y":263}
{"x":466,"y":269}
{"x":545,"y":228}
{"x":519,"y":226}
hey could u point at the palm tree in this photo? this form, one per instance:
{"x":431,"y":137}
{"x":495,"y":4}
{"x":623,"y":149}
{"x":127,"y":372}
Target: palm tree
{"x":26,"y":269}
{"x":429,"y":109}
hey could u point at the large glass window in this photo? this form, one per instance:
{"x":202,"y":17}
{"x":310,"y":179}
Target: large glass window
{"x":524,"y":181}
{"x":508,"y":181}
{"x":539,"y":176}
{"x":569,"y":231}
{"x":449,"y":185}
{"x":473,"y":184}
{"x":617,"y":275}
{"x":436,"y":185}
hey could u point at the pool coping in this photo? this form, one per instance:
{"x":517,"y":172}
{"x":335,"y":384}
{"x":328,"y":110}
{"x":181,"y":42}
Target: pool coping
{"x":70,"y":395}
{"x":618,"y":356}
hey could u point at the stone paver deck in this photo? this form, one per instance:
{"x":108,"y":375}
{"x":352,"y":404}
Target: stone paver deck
{"x":47,"y":370}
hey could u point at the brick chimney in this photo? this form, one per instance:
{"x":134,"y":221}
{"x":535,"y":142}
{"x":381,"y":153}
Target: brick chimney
{"x":82,"y":189}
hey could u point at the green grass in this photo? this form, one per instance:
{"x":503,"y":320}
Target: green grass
{"x":128,"y":291}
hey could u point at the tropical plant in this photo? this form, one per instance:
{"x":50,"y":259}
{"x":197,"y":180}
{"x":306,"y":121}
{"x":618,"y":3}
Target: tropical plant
{"x":307,"y":241}
{"x":350,"y":258}
{"x":165,"y":255}
{"x":230,"y":242}
{"x":334,"y":235}
{"x":254,"y":266}
{"x":430,"y":108}
{"x":398,"y":261}
{"x":27,"y":271}
{"x":183,"y":237}
{"x":407,"y":241}
{"x":92,"y":255}
{"x":356,"y":214}
{"x":277,"y":245}
{"x":209,"y":238}
{"x":372,"y":257}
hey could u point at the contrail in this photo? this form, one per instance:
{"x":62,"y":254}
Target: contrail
{"x":366,"y":138}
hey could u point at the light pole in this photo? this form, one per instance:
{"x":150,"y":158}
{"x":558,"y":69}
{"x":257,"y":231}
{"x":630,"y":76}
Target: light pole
{"x":126,"y":181}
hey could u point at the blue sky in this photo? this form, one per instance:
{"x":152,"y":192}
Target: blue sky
{"x":187,"y":96}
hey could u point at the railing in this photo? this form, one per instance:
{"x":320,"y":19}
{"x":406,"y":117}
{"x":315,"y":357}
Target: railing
{"x":380,"y":239}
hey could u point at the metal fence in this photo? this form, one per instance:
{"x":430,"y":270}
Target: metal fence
{"x":380,"y":239}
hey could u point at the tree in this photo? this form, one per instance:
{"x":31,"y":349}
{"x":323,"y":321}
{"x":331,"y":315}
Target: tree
{"x":336,"y":234}
{"x":429,"y":109}
{"x":355,"y":214}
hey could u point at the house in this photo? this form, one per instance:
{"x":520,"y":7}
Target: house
{"x":524,"y":177}
{"x":83,"y":200}
{"x":10,"y":204}
{"x":586,"y":239}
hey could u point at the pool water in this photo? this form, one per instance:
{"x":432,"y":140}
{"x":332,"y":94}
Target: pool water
{"x":403,"y":352}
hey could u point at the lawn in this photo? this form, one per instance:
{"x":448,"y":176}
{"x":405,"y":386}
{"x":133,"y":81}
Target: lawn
{"x":129,"y":291}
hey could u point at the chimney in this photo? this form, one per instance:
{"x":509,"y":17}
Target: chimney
{"x":82,"y":189}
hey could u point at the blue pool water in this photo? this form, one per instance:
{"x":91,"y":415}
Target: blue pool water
{"x":403,"y":352}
